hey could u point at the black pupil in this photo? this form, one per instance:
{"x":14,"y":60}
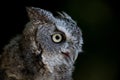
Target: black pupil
{"x":57,"y":37}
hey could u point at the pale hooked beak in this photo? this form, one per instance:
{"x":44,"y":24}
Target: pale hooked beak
{"x":75,"y":56}
{"x":72,"y":56}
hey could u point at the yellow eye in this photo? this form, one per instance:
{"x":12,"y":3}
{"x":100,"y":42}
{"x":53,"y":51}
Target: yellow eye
{"x":57,"y":38}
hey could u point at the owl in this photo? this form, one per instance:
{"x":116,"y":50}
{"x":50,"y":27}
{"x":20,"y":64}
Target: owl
{"x":46,"y":50}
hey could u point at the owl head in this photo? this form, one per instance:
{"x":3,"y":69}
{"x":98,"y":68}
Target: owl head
{"x":57,"y":39}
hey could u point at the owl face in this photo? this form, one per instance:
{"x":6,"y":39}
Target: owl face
{"x":59,"y":38}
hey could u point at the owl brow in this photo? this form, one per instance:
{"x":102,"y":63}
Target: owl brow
{"x":58,"y":31}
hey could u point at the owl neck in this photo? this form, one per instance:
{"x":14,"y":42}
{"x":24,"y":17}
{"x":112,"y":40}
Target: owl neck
{"x":58,"y":67}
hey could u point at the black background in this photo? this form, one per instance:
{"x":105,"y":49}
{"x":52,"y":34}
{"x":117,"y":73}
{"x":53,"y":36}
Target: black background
{"x":99,"y":21}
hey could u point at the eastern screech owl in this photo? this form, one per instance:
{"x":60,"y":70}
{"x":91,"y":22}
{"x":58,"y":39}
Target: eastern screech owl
{"x":46,"y":50}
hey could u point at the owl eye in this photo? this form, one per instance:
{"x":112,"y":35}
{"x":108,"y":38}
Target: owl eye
{"x":57,"y":38}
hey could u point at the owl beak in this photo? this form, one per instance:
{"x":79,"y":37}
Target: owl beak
{"x":72,"y":56}
{"x":75,"y":55}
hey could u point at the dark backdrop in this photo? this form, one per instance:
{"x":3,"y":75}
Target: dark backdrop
{"x":99,"y":21}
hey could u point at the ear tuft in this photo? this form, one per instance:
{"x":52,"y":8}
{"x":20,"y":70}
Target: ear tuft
{"x":39,"y":14}
{"x":64,"y":15}
{"x":32,"y":13}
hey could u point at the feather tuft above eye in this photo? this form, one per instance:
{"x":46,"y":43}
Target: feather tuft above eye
{"x":39,"y":14}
